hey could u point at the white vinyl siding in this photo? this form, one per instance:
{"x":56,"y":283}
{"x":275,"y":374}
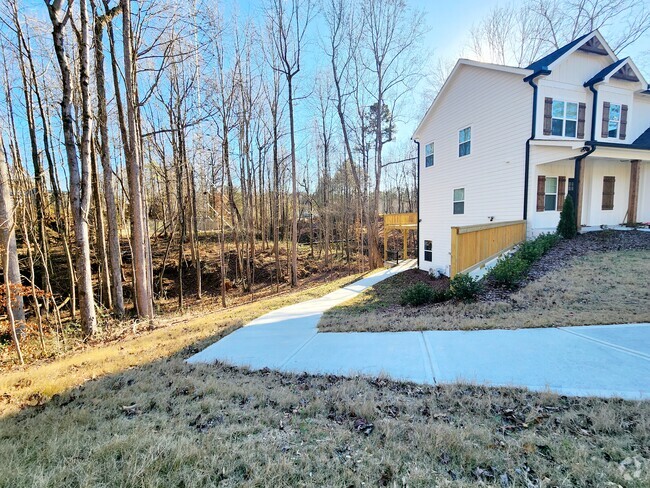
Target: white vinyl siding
{"x":493,"y":178}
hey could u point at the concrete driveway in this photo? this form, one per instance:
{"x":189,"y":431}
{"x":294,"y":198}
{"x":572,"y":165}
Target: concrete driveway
{"x":611,"y":360}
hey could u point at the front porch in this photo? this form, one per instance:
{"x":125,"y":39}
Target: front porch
{"x":608,"y":191}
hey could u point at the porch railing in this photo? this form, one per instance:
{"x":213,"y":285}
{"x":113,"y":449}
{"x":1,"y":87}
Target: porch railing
{"x":475,"y":245}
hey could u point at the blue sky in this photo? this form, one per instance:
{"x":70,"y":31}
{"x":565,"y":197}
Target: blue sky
{"x":446,"y":30}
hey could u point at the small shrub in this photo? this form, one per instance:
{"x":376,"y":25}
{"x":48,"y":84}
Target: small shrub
{"x":464,"y":287}
{"x":441,"y":295}
{"x":567,"y":225}
{"x":417,"y":295}
{"x":530,"y":251}
{"x":509,"y":271}
{"x":547,"y":241}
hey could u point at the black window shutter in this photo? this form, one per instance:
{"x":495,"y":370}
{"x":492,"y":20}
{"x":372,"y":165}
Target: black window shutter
{"x":582,"y":108}
{"x":604,"y":130}
{"x":623,"y":129}
{"x":548,"y":111}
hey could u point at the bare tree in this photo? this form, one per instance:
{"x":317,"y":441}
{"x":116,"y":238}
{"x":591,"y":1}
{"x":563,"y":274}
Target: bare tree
{"x":12,"y":280}
{"x":288,"y":24}
{"x":140,"y":237}
{"x":518,"y":33}
{"x":80,"y":177}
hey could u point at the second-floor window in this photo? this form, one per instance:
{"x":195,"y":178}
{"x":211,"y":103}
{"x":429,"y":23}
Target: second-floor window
{"x":564,"y":118}
{"x":614,"y":120}
{"x":464,"y":141}
{"x":428,"y":155}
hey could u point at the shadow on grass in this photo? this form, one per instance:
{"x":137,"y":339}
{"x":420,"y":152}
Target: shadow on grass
{"x":167,"y":423}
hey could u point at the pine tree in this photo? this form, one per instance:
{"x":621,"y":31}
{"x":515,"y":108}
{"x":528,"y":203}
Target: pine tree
{"x":567,"y":225}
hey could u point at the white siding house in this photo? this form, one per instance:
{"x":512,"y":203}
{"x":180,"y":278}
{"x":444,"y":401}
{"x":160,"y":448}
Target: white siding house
{"x":577,"y":121}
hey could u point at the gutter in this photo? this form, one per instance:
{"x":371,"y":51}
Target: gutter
{"x":530,"y":79}
{"x":618,"y":145}
{"x":590,"y":146}
{"x":418,"y":208}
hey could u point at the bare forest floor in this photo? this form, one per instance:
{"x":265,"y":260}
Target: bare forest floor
{"x":132,"y":413}
{"x":312,"y":271}
{"x":596,"y":278}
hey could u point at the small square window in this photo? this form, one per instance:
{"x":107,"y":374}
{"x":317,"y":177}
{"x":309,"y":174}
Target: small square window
{"x":459,"y":201}
{"x":464,"y":141}
{"x":428,"y":253}
{"x":428,"y":155}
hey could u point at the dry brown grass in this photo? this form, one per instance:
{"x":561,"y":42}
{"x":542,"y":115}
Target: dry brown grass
{"x":167,"y":423}
{"x":599,"y":288}
{"x":38,"y":382}
{"x":149,"y":419}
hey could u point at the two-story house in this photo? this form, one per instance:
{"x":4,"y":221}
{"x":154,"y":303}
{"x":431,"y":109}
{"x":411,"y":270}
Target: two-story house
{"x":504,"y":144}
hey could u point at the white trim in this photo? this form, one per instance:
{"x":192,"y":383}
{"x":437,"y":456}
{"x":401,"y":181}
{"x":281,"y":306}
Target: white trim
{"x":458,"y":156}
{"x":564,"y":119}
{"x":454,"y":201}
{"x":433,"y":154}
{"x":556,"y":194}
{"x":595,"y":33}
{"x":634,"y":67}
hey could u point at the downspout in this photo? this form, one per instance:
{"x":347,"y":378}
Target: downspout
{"x":577,"y":169}
{"x":418,"y":207}
{"x":530,"y":79}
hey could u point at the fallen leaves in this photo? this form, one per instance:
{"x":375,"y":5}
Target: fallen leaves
{"x":361,"y":425}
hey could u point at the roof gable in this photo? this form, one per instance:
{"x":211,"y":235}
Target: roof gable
{"x":623,"y":69}
{"x":592,"y":43}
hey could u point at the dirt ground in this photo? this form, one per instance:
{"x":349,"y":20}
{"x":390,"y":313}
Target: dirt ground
{"x":596,"y":278}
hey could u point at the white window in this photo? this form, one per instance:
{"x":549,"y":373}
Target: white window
{"x":459,"y":201}
{"x":464,"y":141}
{"x":614,"y":120}
{"x":428,"y":155}
{"x":428,"y":251}
{"x":564,"y":118}
{"x":550,"y":193}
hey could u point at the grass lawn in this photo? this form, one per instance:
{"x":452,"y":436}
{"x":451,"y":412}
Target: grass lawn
{"x":597,"y":288}
{"x":133,"y":413}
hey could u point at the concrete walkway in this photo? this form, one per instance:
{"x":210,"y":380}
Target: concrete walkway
{"x":606,"y":361}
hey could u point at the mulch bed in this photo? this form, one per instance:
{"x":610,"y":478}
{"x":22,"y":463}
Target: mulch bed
{"x":566,"y":250}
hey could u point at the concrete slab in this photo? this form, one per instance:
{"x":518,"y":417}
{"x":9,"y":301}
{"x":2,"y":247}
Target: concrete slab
{"x":538,"y":359}
{"x":633,"y":338}
{"x":402,"y":356}
{"x":258,"y":346}
{"x":595,"y":360}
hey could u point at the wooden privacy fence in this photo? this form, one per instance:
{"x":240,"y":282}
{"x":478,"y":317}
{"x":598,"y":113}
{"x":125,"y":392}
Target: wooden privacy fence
{"x":474,"y":245}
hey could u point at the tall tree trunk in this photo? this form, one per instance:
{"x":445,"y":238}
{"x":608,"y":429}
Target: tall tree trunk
{"x":294,"y":189}
{"x":115,"y":262}
{"x":80,"y":181}
{"x":143,"y":292}
{"x":15,"y":308}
